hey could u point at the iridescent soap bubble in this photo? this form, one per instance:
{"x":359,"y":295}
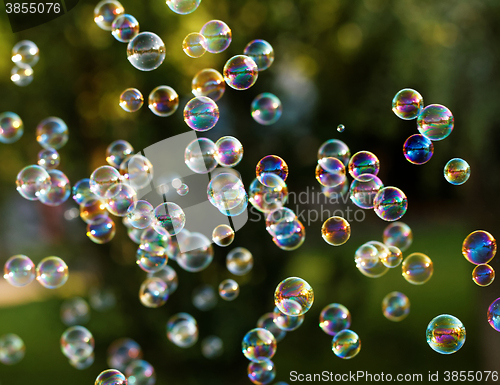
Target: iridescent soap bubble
{"x":117,"y":151}
{"x":479,"y":247}
{"x":393,"y":259}
{"x":204,"y":297}
{"x":407,"y":104}
{"x":417,"y":149}
{"x":194,"y":45}
{"x":340,"y":128}
{"x":81,"y":191}
{"x":363,"y":162}
{"x":11,"y":349}
{"x":169,"y":276}
{"x":163,"y":101}
{"x":445,"y":334}
{"x":52,"y":133}
{"x":122,"y":352}
{"x":362,"y":192}
{"x":267,"y":199}
{"x":200,"y":156}
{"x":199,"y":254}
{"x":261,"y":373}
{"x":228,"y":151}
{"x":182,"y":330}
{"x":101,"y":232}
{"x":153,"y":292}
{"x":208,"y":82}
{"x":11,"y":127}
{"x":140,"y":214}
{"x":483,"y":275}
{"x":435,"y":122}
{"x":151,"y":257}
{"x":111,"y":377}
{"x":119,"y":198}
{"x":266,"y":108}
{"x":146,"y":51}
{"x":21,"y":75}
{"x":140,"y":372}
{"x":271,"y":164}
{"x":240,"y":72}
{"x":336,"y":231}
{"x":239,"y":261}
{"x":334,"y":318}
{"x":335,"y":148}
{"x":290,"y":236}
{"x":457,"y":171}
{"x":285,"y":322}
{"x":183,"y":7}
{"x":390,"y":204}
{"x":137,"y":170}
{"x":75,"y":311}
{"x":125,"y":28}
{"x":19,"y":270}
{"x":169,"y":218}
{"x":396,"y":306}
{"x":417,"y":268}
{"x":368,"y":258}
{"x":494,"y":314}
{"x":48,"y":158}
{"x":212,"y":347}
{"x":258,"y":345}
{"x":131,"y":100}
{"x":279,"y":218}
{"x":93,"y":211}
{"x":223,"y":235}
{"x":52,"y":272}
{"x":201,"y":113}
{"x":106,"y":12}
{"x":261,"y":52}
{"x":293,"y":296}
{"x":229,"y":290}
{"x":267,"y":321}
{"x":183,"y":190}
{"x":77,"y":342}
{"x":102,"y":179}
{"x":334,"y":175}
{"x":398,"y":234}
{"x":346,"y":344}
{"x":25,"y":52}
{"x":226,"y":191}
{"x":218,"y":35}
{"x":60,"y":189}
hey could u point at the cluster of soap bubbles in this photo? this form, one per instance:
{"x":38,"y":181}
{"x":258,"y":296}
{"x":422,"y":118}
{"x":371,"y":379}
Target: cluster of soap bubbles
{"x":479,"y":248}
{"x":51,"y":272}
{"x":163,"y":101}
{"x":77,"y":344}
{"x":25,"y":56}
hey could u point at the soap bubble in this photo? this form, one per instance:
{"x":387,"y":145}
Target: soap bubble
{"x":140,"y":214}
{"x":393,"y":259}
{"x":363,"y":162}
{"x":417,"y":268}
{"x":153,"y":292}
{"x":212,"y":347}
{"x":261,"y":52}
{"x":122,"y":352}
{"x":266,"y":108}
{"x":435,"y":122}
{"x":11,"y":349}
{"x":140,"y":372}
{"x":285,"y":322}
{"x":125,"y":28}
{"x":483,"y":275}
{"x":82,"y":363}
{"x":407,"y":104}
{"x":457,"y":171}
{"x":119,"y":198}
{"x":279,"y":218}
{"x":52,"y":272}
{"x":81,"y":191}
{"x":101,"y":232}
{"x":293,"y":296}
{"x":48,"y":158}
{"x":200,"y":156}
{"x":266,"y":199}
{"x":239,"y":261}
{"x":201,"y":113}
{"x":93,"y":211}
{"x":146,"y":51}
{"x":226,"y":191}
{"x":117,"y":151}
{"x":218,"y":35}
{"x":21,"y":75}
{"x":208,"y":82}
{"x":271,"y":164}
{"x":169,"y":218}
{"x":362,"y":192}
{"x":111,"y":377}
{"x":25,"y":52}
{"x":11,"y":127}
{"x":368,"y":258}
{"x":418,"y":149}
{"x":167,"y":275}
{"x":261,"y":373}
{"x":290,"y":236}
{"x":182,"y":330}
{"x":52,"y":133}
{"x":267,"y":321}
{"x":75,"y":311}
{"x":163,"y":101}
{"x":183,"y":190}
{"x":398,"y":234}
{"x":137,"y":170}
{"x":60,"y":189}
{"x":106,"y":12}
{"x":340,"y":128}
{"x":396,"y":306}
{"x":77,"y":342}
{"x":199,"y":255}
{"x":330,"y":172}
{"x":131,"y":100}
{"x":494,"y":314}
{"x":258,"y":345}
{"x":194,"y":45}
{"x":183,"y":7}
{"x":19,"y":270}
{"x":390,"y":204}
{"x":223,"y":235}
{"x":240,"y":72}
{"x":102,"y":179}
{"x":228,"y":151}
{"x":445,"y":334}
{"x":335,"y":148}
{"x":479,"y":247}
{"x":151,"y":257}
{"x":346,"y":344}
{"x":336,"y":231}
{"x":334,"y":318}
{"x":229,"y":290}
{"x":204,"y":297}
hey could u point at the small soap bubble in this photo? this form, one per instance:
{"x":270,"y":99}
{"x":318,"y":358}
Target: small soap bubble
{"x":218,"y":36}
{"x":199,"y":254}
{"x":407,"y":104}
{"x":396,"y":306}
{"x":93,"y":211}
{"x":330,"y":172}
{"x":194,"y":45}
{"x":223,"y":235}
{"x":11,"y":349}
{"x":183,"y":7}
{"x":240,"y":72}
{"x":122,"y":352}
{"x":457,"y":171}
{"x":48,"y":158}
{"x":102,"y":232}
{"x":417,"y":268}
{"x":261,"y":373}
{"x":125,"y":28}
{"x":151,"y":257}
{"x":266,"y":108}
{"x":334,"y":318}
{"x":267,"y":199}
{"x":363,"y":162}
{"x":494,"y":314}
{"x":137,"y":170}
{"x":201,"y":113}
{"x":204,"y":297}
{"x":229,"y":290}
{"x":340,"y":128}
{"x":271,"y":164}
{"x":111,"y":377}
{"x":279,"y":218}
{"x":163,"y":101}
{"x":119,"y":198}
{"x":417,"y":149}
{"x":239,"y":261}
{"x":346,"y":344}
{"x":169,"y":276}
{"x":131,"y":100}
{"x":140,"y":372}
{"x":169,"y":218}
{"x":261,"y":52}
{"x":435,"y":122}
{"x":267,"y":321}
{"x":335,"y":148}
{"x":75,"y":311}
{"x":293,"y":296}
{"x":394,"y":258}
{"x":398,"y":234}
{"x":81,"y":191}
{"x":182,"y":330}
{"x":390,"y":204}
{"x":258,"y":345}
{"x":117,"y":151}
{"x":362,"y":192}
{"x":52,"y":133}
{"x":19,"y":270}
{"x":226,"y":191}
{"x":183,"y":190}
{"x":445,"y":334}
{"x":25,"y":52}
{"x":200,"y":156}
{"x":146,"y":51}
{"x":140,"y":214}
{"x":228,"y":151}
{"x":285,"y":322}
{"x":102,"y":179}
{"x":153,"y":292}
{"x":52,"y":272}
{"x":479,"y":247}
{"x":21,"y":75}
{"x":290,"y":236}
{"x":77,"y":342}
{"x":11,"y":127}
{"x":208,"y":82}
{"x":336,"y":231}
{"x":60,"y":189}
{"x":212,"y":347}
{"x":483,"y":275}
{"x":106,"y":12}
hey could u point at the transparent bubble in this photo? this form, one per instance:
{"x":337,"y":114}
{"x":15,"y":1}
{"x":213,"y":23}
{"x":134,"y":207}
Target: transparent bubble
{"x":369,"y":257}
{"x":398,"y":234}
{"x":268,"y":322}
{"x":212,"y":347}
{"x":417,"y":268}
{"x":119,"y":198}
{"x":435,"y":122}
{"x":117,"y":151}
{"x":60,"y":189}
{"x":102,"y":232}
{"x":122,"y":352}
{"x":11,"y":127}
{"x":261,"y":373}
{"x":261,"y":52}
{"x":223,"y":235}
{"x":229,"y":290}
{"x":445,"y":334}
{"x":240,"y":72}
{"x":366,"y":256}
{"x":52,"y":133}
{"x":169,"y":218}
{"x":11,"y":349}
{"x":479,"y":247}
{"x":146,"y":51}
{"x":102,"y":179}
{"x":140,"y":372}
{"x":346,"y":344}
{"x":218,"y":35}
{"x":457,"y":171}
{"x":125,"y":28}
{"x":290,"y":235}
{"x":293,"y":296}
{"x":163,"y":101}
{"x":228,"y":151}
{"x":182,"y":330}
{"x":266,"y":108}
{"x":25,"y":52}
{"x":396,"y":306}
{"x":494,"y":314}
{"x":330,"y":172}
{"x":93,"y":211}
{"x":75,"y":311}
{"x":336,"y":231}
{"x":201,"y":113}
{"x":266,"y":199}
{"x":81,"y":191}
{"x":394,"y":258}
{"x":106,"y":12}
{"x":407,"y":104}
{"x":199,"y":255}
{"x":279,"y":218}
{"x":52,"y":272}
{"x":340,"y":128}
{"x":483,"y":275}
{"x":204,"y":297}
{"x":208,"y":82}
{"x":239,"y":261}
{"x":140,"y":214}
{"x":153,"y":292}
{"x":285,"y":322}
{"x":21,"y":75}
{"x":183,"y":190}
{"x":362,"y":192}
{"x":194,"y":45}
{"x":19,"y":270}
{"x":111,"y":377}
{"x":335,"y":148}
{"x":77,"y":342}
{"x":137,"y":170}
{"x":271,"y":164}
{"x":200,"y":156}
{"x":151,"y":257}
{"x":183,"y":7}
{"x":226,"y":191}
{"x":82,"y":363}
{"x":417,"y":149}
{"x":258,"y":345}
{"x":363,"y":162}
{"x":169,"y":276}
{"x":48,"y":158}
{"x":334,"y":318}
{"x":390,"y":203}
{"x":131,"y":100}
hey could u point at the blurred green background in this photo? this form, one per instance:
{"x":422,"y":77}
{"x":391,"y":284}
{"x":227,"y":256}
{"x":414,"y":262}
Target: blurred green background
{"x":337,"y":61}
